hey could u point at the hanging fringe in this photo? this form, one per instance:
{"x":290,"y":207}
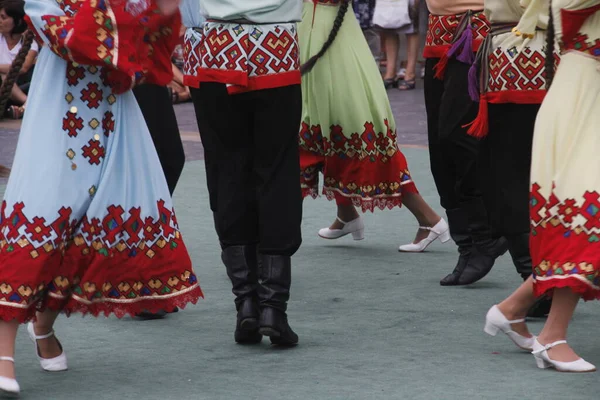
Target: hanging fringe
{"x":474,"y":82}
{"x":440,"y":67}
{"x":466,"y":55}
{"x":480,"y":126}
{"x":464,"y":44}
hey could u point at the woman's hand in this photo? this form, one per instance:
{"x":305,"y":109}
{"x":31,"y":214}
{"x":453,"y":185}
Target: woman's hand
{"x":168,"y":7}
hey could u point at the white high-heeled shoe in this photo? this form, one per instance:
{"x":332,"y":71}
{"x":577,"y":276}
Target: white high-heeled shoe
{"x":540,"y":352}
{"x":441,"y":231}
{"x":9,"y":388}
{"x":356,"y":228}
{"x":496,"y":321}
{"x":55,"y":364}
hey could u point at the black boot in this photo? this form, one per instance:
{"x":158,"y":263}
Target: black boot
{"x":241,"y":263}
{"x":518,"y":246}
{"x":274,"y":293}
{"x":459,"y":230}
{"x":486,"y":249}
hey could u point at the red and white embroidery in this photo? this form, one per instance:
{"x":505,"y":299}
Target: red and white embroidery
{"x":250,"y":57}
{"x":191,"y":56}
{"x":442,"y":28}
{"x":517,"y":76}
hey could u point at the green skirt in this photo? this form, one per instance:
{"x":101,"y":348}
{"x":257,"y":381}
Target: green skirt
{"x":348,"y":130}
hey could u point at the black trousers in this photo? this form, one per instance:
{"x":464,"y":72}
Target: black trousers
{"x":252,"y":165}
{"x":157,"y":107}
{"x":505,"y":166}
{"x":454,"y":154}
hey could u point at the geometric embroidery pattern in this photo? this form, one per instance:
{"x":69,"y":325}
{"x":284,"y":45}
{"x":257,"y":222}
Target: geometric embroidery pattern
{"x":72,"y":124}
{"x":368,"y":144}
{"x":515,"y":70}
{"x":117,"y":235}
{"x":572,"y":226}
{"x":442,"y":28}
{"x":249,"y":51}
{"x":93,"y":151}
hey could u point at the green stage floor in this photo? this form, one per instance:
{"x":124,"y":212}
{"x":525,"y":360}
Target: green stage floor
{"x":373,"y":324}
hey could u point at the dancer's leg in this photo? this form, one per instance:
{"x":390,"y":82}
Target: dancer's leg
{"x":424,"y":214}
{"x":564,"y":301}
{"x":49,"y":348}
{"x":517,"y":304}
{"x":345,"y":212}
{"x":8,"y":335}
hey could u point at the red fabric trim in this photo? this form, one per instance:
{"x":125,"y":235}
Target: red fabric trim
{"x":573,"y":20}
{"x":268,"y":82}
{"x":223,"y":76}
{"x":440,"y":51}
{"x":565,"y":253}
{"x":193,"y":81}
{"x":435,"y":51}
{"x":541,"y":288}
{"x":516,"y":96}
{"x":368,"y":184}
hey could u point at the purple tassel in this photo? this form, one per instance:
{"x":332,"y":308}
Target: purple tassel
{"x":474,"y":83}
{"x":466,"y":55}
{"x":459,"y":43}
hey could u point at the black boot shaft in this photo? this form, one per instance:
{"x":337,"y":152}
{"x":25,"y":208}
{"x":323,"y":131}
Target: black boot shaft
{"x":241,"y":263}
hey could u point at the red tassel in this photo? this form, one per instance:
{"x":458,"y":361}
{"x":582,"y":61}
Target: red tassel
{"x":440,"y":67}
{"x":480,"y":126}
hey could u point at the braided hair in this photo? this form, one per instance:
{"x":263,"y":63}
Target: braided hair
{"x":337,"y":25}
{"x":550,"y":61}
{"x":15,"y":70}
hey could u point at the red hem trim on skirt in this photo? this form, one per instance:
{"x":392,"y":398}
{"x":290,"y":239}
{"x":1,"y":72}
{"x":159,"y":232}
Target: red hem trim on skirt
{"x":575,"y":283}
{"x":76,"y":304}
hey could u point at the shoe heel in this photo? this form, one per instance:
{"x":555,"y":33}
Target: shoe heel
{"x":541,"y":363}
{"x":358,"y":235}
{"x":491,"y":329}
{"x":445,"y":237}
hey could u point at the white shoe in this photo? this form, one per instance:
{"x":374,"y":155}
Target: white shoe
{"x":9,"y":388}
{"x":439,"y":231}
{"x":55,"y":364}
{"x":356,"y":227}
{"x":496,"y":321}
{"x":540,"y":352}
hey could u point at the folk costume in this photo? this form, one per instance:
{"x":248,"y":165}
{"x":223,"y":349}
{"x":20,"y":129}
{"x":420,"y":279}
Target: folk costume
{"x":248,"y":106}
{"x":353,"y":144}
{"x":508,"y":80}
{"x":157,"y":108}
{"x":564,"y":197}
{"x":456,"y":30}
{"x":87,"y":224}
{"x":355,"y":147}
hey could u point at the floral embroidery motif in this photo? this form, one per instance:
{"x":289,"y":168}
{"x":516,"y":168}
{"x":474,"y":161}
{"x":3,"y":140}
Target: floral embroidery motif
{"x":108,"y":123}
{"x":92,"y":95}
{"x":72,"y":124}
{"x":94,"y":152}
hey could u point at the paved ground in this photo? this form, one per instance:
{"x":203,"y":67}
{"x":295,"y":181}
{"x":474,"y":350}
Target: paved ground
{"x":374,"y":323}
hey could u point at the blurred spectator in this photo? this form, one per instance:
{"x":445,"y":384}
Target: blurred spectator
{"x":179,"y":92}
{"x":12,"y":27}
{"x":404,"y":79}
{"x":364,"y":9}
